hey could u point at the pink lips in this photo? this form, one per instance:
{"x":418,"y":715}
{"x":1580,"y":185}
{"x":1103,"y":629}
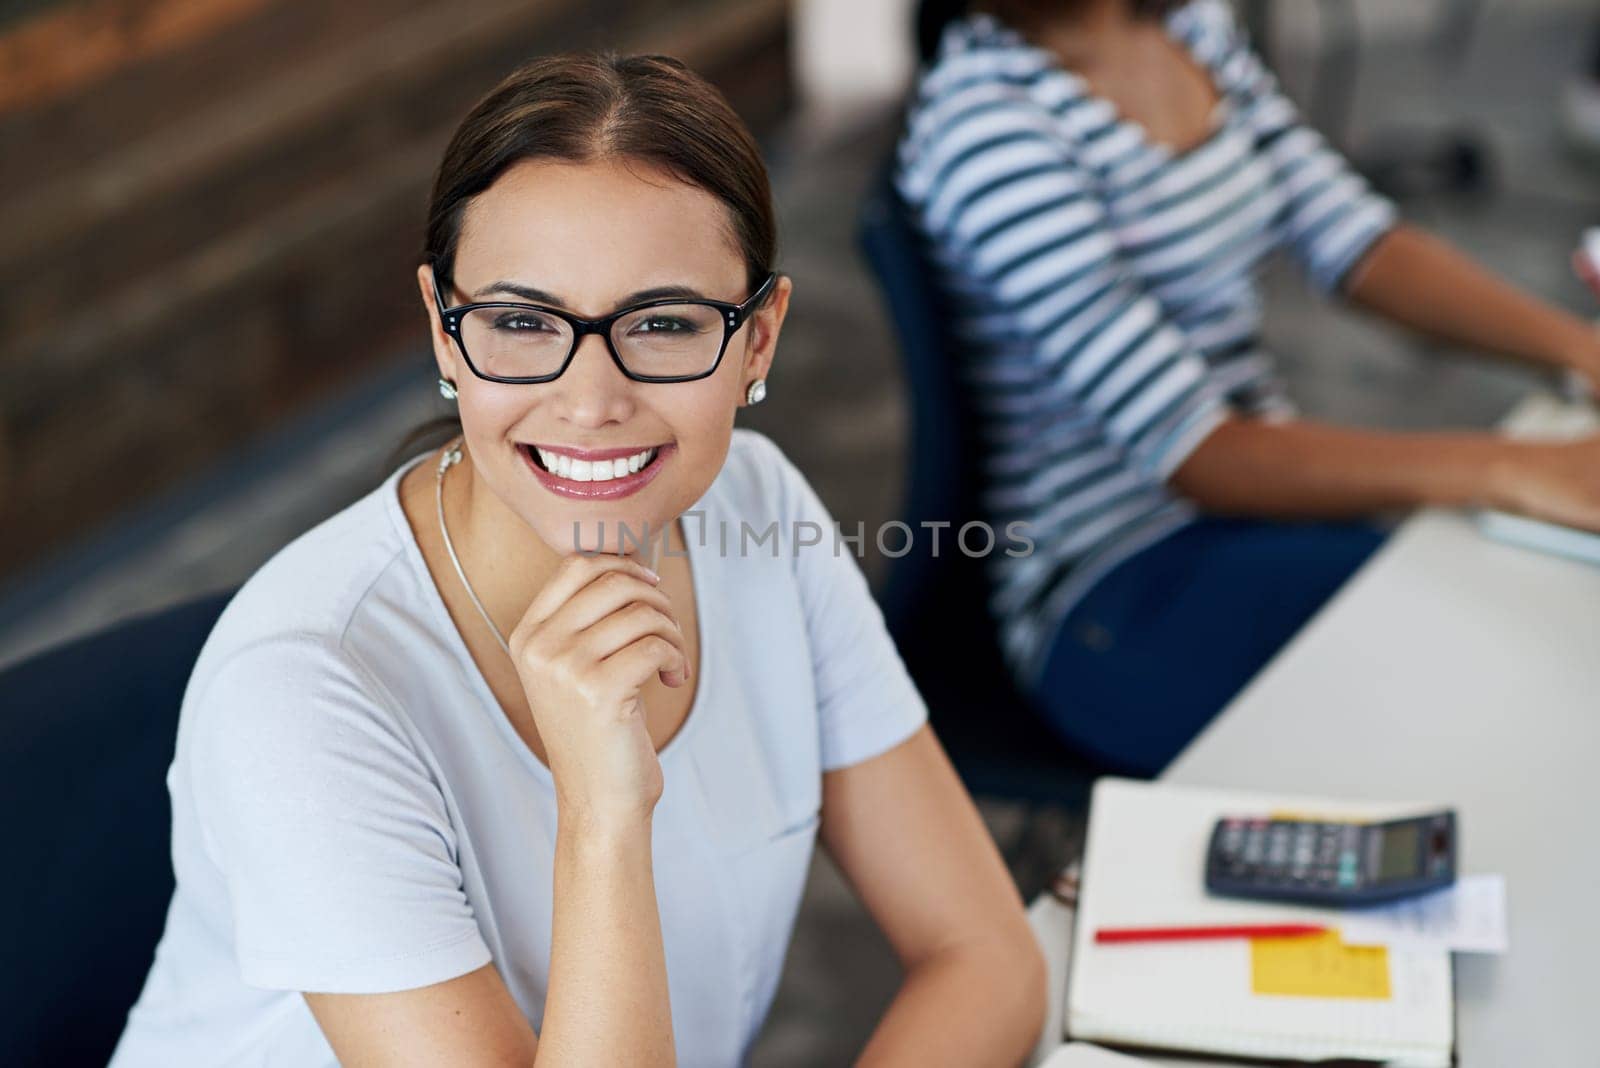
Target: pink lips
{"x":597,"y":491}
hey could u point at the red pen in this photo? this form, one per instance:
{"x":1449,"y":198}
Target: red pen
{"x":1185,"y":934}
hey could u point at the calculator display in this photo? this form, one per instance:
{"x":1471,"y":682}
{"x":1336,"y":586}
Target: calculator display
{"x":1400,"y":858}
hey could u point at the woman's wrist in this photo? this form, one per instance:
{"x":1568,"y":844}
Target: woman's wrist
{"x":605,"y":825}
{"x":603,"y":853}
{"x":1505,"y":472}
{"x":1470,"y":471}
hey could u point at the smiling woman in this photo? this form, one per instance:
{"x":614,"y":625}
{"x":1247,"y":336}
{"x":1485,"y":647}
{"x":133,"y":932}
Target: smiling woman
{"x":461,"y":778}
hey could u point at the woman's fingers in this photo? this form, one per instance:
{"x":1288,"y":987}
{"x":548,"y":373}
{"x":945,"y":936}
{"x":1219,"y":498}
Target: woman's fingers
{"x":650,"y":655}
{"x":591,"y":608}
{"x":576,"y":572}
{"x":626,"y":627}
{"x":606,"y":593}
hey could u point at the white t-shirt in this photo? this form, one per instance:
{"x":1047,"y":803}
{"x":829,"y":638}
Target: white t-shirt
{"x":352,"y":811}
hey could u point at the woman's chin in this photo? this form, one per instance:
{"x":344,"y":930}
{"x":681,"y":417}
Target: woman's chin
{"x":623,"y":535}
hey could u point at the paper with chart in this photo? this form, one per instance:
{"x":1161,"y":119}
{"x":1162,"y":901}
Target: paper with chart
{"x":1469,"y":917}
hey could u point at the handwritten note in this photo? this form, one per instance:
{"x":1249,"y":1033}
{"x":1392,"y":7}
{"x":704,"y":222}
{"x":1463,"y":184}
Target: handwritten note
{"x":1318,"y":966}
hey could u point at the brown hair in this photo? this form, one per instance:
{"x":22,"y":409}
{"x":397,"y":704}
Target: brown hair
{"x":588,"y":106}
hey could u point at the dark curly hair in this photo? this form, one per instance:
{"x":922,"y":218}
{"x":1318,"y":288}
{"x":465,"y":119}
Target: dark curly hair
{"x":934,"y":15}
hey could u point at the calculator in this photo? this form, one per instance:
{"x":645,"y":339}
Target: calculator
{"x":1328,"y":862}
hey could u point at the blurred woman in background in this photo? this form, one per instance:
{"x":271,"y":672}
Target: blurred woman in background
{"x":462,"y":779}
{"x":1099,"y":181}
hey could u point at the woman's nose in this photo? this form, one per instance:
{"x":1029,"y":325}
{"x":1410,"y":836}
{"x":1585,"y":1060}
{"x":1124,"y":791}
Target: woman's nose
{"x":593,"y":391}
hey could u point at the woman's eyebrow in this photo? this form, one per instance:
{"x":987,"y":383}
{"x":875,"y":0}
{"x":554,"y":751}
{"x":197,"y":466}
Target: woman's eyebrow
{"x":662,"y":293}
{"x":516,"y":289}
{"x":539,"y":296}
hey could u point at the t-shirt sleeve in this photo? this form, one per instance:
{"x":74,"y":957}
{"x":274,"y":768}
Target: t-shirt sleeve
{"x":1021,"y":231}
{"x":866,"y":701}
{"x":332,"y":837}
{"x":1331,"y":216}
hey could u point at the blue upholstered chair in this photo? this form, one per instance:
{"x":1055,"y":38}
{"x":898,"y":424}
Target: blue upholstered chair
{"x":87,"y":731}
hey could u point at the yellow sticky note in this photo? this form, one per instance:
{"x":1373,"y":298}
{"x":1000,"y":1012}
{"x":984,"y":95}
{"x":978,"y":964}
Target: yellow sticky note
{"x":1318,"y":966}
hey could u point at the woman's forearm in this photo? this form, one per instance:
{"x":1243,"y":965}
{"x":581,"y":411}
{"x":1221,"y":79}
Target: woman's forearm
{"x":1421,"y":282}
{"x":608,"y":1001}
{"x":1305,"y":470}
{"x":967,"y":1007}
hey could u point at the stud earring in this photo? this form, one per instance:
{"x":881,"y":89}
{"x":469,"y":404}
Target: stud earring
{"x":447,"y":389}
{"x":757,"y":391}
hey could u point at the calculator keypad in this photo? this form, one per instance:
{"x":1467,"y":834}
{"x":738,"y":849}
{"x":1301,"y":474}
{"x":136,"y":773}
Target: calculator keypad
{"x":1315,"y":863}
{"x":1305,"y":855}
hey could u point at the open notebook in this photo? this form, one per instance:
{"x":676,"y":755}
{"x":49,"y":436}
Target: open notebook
{"x":1144,"y":866}
{"x":1549,"y":418}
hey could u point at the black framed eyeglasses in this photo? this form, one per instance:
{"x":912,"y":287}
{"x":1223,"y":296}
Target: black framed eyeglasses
{"x":664,"y":340}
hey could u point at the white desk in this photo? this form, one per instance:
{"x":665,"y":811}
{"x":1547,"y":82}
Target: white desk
{"x":1456,"y":668}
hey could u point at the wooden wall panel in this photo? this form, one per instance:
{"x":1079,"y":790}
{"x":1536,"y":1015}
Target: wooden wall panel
{"x":70,"y":46}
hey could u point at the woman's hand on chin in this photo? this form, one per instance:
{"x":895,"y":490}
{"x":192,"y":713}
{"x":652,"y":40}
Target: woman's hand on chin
{"x":595,"y":635}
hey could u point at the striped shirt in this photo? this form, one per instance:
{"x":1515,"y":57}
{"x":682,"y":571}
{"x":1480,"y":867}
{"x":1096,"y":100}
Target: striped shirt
{"x":1103,"y":289}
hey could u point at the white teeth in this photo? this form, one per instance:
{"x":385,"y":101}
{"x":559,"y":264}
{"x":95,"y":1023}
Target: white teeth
{"x":555,"y":462}
{"x":566,"y":467}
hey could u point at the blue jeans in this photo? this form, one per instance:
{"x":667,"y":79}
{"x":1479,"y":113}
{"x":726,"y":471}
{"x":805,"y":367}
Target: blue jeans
{"x":1164,"y":640}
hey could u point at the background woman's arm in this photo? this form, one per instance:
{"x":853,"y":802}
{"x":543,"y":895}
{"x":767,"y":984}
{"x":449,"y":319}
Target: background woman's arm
{"x":1419,"y":281}
{"x":1304,"y":470}
{"x":1348,"y":237}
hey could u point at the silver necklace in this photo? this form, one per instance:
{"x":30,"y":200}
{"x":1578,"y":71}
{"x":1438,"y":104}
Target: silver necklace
{"x":452,"y":455}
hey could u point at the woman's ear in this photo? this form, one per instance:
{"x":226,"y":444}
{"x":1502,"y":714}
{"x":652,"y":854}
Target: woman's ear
{"x":765,"y":324}
{"x":444,"y":350}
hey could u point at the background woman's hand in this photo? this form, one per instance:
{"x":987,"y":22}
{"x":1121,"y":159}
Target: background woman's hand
{"x":597,"y":632}
{"x":1554,"y":481}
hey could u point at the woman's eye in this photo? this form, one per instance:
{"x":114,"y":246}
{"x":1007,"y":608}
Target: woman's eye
{"x":522,"y":322}
{"x":663,"y":324}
